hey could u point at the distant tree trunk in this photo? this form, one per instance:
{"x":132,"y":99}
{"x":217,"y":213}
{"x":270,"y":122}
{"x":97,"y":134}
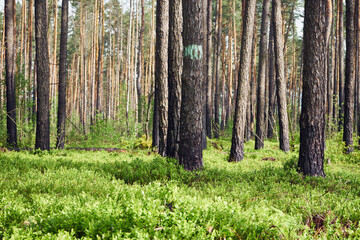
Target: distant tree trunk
{"x":341,"y":64}
{"x":349,"y":75}
{"x":60,"y":142}
{"x":209,"y":71}
{"x":272,"y":82}
{"x":42,"y":65}
{"x":30,"y":41}
{"x":140,"y":63}
{"x":175,"y":71}
{"x":217,"y":73}
{"x":237,"y":143}
{"x":10,"y":38}
{"x":161,"y":70}
{"x":312,"y":122}
{"x":260,"y":113}
{"x":280,"y":78}
{"x":190,"y":153}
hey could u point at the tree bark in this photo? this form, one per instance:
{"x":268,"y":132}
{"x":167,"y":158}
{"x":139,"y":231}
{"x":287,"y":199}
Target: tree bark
{"x":217,"y":73}
{"x":42,"y":65}
{"x":237,"y":143}
{"x":140,"y":63}
{"x":341,"y":64}
{"x":190,"y":152}
{"x":10,"y":38}
{"x":60,"y":142}
{"x":272,"y":82}
{"x":209,"y":71}
{"x":260,"y":112}
{"x":280,"y":78}
{"x":161,"y":70}
{"x":349,"y":75}
{"x":175,"y":71}
{"x":312,"y":121}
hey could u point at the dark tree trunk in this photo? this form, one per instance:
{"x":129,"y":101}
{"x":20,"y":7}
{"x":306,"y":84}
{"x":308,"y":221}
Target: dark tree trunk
{"x":191,"y":129}
{"x":42,"y":65}
{"x":272,"y":83}
{"x":10,"y":38}
{"x":280,"y":78}
{"x":217,"y":75}
{"x":60,"y":142}
{"x":175,"y":71}
{"x":209,"y":71}
{"x":140,"y":65}
{"x":237,"y":142}
{"x":161,"y":70}
{"x":312,"y":122}
{"x":260,"y":112}
{"x":349,"y":75}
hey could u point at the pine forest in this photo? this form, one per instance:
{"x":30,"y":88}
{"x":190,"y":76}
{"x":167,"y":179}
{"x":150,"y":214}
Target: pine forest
{"x":180,"y":119}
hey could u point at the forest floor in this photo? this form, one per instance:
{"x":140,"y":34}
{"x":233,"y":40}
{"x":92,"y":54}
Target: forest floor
{"x":136,"y":194}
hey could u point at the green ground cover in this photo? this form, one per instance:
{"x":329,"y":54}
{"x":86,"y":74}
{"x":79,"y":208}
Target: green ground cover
{"x":136,"y":194}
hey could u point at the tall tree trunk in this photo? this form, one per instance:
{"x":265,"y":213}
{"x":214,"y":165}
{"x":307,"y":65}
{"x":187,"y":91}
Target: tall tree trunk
{"x":349,"y":75}
{"x":175,"y":71}
{"x":237,"y":143}
{"x":60,"y":142}
{"x":10,"y":38}
{"x":280,"y":78}
{"x":30,"y":38}
{"x":190,"y":152}
{"x":341,"y":64}
{"x":42,"y":65}
{"x":140,"y":62}
{"x":272,"y":82}
{"x":161,"y":70}
{"x":260,"y":113}
{"x":312,"y":122}
{"x":217,"y":74}
{"x":209,"y":71}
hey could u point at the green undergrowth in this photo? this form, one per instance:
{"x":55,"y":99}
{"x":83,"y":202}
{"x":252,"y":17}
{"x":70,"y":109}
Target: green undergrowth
{"x":135,"y":194}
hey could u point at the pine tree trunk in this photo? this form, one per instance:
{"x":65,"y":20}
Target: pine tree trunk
{"x":42,"y":65}
{"x":60,"y":142}
{"x":217,"y":73}
{"x":312,"y":122}
{"x":140,"y":63}
{"x":209,"y":71}
{"x":280,"y":78}
{"x":191,"y":126}
{"x":341,"y":65}
{"x":161,"y":70}
{"x":237,"y":143}
{"x":10,"y":38}
{"x":260,"y":113}
{"x":175,"y":71}
{"x":349,"y":75}
{"x":272,"y":83}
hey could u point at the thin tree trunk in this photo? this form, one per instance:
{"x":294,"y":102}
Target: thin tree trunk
{"x":349,"y":75}
{"x":217,"y":74}
{"x":280,"y":78}
{"x":140,"y":63}
{"x":341,"y":65}
{"x":272,"y":83}
{"x":60,"y":142}
{"x":237,"y":143}
{"x":260,"y":113}
{"x":209,"y":71}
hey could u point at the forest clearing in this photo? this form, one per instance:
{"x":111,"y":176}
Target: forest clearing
{"x":180,"y":119}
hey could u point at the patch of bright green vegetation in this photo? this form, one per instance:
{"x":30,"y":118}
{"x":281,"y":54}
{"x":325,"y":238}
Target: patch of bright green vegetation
{"x":139,"y":195}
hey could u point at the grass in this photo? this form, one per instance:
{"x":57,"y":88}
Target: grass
{"x":138,"y":195}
